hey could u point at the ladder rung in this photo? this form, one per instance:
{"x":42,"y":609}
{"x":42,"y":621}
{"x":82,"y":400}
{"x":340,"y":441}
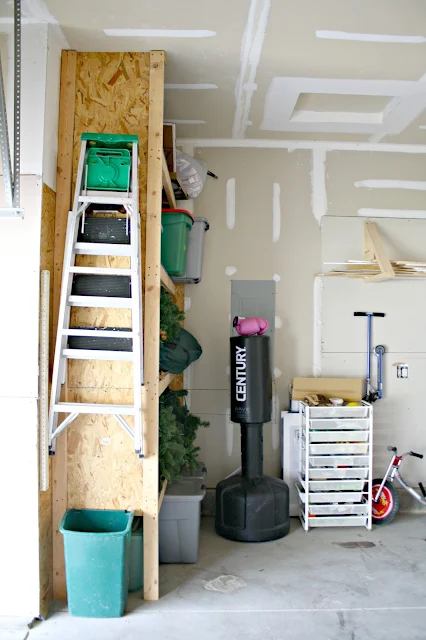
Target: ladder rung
{"x":106,"y":409}
{"x":97,"y":333}
{"x":101,"y":271}
{"x":97,"y":354}
{"x":101,"y":249}
{"x":113,"y":197}
{"x":100,"y":301}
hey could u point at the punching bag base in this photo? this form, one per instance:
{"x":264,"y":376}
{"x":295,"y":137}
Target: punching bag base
{"x":252,"y":509}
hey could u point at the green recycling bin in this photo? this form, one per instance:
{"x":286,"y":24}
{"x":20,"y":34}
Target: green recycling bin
{"x":97,"y":550}
{"x":176,"y":226}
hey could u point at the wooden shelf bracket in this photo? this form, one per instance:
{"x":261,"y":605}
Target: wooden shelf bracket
{"x":374,"y":250}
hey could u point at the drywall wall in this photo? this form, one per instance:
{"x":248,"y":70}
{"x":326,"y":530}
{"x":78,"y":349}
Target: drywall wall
{"x":19,"y":337}
{"x":261,"y":228}
{"x":399,"y":417}
{"x":281,"y":214}
{"x":19,"y":266}
{"x":51,"y":114}
{"x":33,"y":84}
{"x":363,"y":182}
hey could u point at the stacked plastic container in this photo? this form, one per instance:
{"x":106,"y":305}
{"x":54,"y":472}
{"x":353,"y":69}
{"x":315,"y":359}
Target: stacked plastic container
{"x":335,"y":466}
{"x":179,"y":524}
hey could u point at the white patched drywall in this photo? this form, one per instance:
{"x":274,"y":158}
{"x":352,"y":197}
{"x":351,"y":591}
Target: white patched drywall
{"x":261,"y":228}
{"x":400,"y":416}
{"x":19,"y":336}
{"x":316,"y":332}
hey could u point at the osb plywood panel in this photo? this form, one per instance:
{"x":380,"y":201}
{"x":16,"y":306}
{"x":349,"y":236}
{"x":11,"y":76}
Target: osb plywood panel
{"x":112,"y":374}
{"x":106,"y":473}
{"x":103,"y":470}
{"x":112,"y":97}
{"x":47,"y":243}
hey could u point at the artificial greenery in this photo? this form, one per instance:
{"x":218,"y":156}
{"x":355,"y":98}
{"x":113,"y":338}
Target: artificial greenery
{"x":178,"y":430}
{"x":170,"y":317}
{"x":171,"y":449}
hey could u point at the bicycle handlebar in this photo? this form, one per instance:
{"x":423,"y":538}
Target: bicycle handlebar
{"x":416,"y":455}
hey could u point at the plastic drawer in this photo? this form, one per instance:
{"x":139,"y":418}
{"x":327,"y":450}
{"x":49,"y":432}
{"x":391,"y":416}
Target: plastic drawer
{"x":338,"y":436}
{"x":336,"y":461}
{"x":329,"y":448}
{"x":338,"y":412}
{"x":331,"y":496}
{"x":340,"y":423}
{"x":334,"y":485}
{"x":338,"y":521}
{"x":330,"y":473}
{"x":339,"y":509}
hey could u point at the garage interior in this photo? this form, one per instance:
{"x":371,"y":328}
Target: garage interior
{"x":270,"y":232}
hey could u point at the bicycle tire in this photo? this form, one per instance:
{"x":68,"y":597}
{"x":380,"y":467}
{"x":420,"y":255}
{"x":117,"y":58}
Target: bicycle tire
{"x":389,"y":515}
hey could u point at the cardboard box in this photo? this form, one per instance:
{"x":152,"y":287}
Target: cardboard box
{"x":350,"y":389}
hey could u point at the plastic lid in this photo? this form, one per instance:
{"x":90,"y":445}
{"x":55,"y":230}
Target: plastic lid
{"x":188,"y":490}
{"x":206,"y":222}
{"x":178,"y":211}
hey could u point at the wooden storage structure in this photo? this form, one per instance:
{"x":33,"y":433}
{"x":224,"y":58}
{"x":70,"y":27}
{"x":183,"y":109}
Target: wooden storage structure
{"x":95,"y":465}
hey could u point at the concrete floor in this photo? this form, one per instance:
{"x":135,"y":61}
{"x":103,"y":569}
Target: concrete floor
{"x":328,"y":584}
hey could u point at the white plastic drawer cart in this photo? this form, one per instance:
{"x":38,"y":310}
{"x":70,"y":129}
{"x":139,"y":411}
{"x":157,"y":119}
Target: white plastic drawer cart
{"x":335,"y":466}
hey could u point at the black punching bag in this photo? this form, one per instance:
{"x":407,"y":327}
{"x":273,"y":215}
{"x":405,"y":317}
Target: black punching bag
{"x":251,"y":507}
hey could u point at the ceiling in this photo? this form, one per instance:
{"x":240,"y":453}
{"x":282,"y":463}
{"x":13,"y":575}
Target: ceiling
{"x":271,"y":69}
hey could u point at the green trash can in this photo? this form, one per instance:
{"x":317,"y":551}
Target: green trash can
{"x":97,"y":549}
{"x":176,"y":226}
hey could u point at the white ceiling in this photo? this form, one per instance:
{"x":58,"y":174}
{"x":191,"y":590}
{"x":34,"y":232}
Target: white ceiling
{"x":268,"y":72}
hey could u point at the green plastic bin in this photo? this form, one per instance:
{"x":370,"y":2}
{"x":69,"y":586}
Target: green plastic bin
{"x":176,"y":226}
{"x":97,"y":550}
{"x":108,"y":169}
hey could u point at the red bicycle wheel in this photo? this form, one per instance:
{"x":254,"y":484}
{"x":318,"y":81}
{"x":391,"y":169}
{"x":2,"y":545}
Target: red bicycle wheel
{"x":387,"y":505}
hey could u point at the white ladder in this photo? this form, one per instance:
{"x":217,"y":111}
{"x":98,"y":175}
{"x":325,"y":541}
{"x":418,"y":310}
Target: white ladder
{"x":82,"y":199}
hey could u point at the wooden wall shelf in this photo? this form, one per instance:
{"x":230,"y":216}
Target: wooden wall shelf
{"x":167,"y":184}
{"x":165,"y":382}
{"x":167,"y":283}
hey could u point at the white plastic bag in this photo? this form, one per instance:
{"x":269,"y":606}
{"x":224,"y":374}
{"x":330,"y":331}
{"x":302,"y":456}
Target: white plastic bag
{"x":192,"y":173}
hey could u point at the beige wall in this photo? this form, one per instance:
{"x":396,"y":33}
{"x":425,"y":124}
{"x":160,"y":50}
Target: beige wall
{"x":399,"y":418}
{"x":303,"y":246}
{"x":249,"y":247}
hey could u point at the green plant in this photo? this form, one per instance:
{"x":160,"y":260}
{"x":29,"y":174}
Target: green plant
{"x":177,"y":435}
{"x":170,"y":317}
{"x":171,"y":449}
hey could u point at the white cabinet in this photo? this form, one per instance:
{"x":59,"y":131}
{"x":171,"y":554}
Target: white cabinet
{"x":334,"y":465}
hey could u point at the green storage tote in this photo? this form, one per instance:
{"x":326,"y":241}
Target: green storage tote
{"x":176,"y":226}
{"x":97,"y":550}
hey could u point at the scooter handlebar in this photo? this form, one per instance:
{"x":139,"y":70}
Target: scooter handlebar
{"x":417,"y":455}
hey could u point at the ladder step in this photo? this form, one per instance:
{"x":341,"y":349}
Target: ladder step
{"x":100,"y":301}
{"x":101,"y":249}
{"x":101,"y":271}
{"x":98,"y":333}
{"x":106,"y":409}
{"x":97,"y":354}
{"x":100,"y":197}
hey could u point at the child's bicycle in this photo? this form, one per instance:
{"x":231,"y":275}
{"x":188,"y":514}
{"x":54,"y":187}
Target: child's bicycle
{"x":385,"y":502}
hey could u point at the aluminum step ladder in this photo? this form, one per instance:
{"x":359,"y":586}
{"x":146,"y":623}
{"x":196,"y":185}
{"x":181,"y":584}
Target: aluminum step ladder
{"x":82,"y":200}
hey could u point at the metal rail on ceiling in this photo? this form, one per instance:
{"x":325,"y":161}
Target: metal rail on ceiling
{"x":12,"y":181}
